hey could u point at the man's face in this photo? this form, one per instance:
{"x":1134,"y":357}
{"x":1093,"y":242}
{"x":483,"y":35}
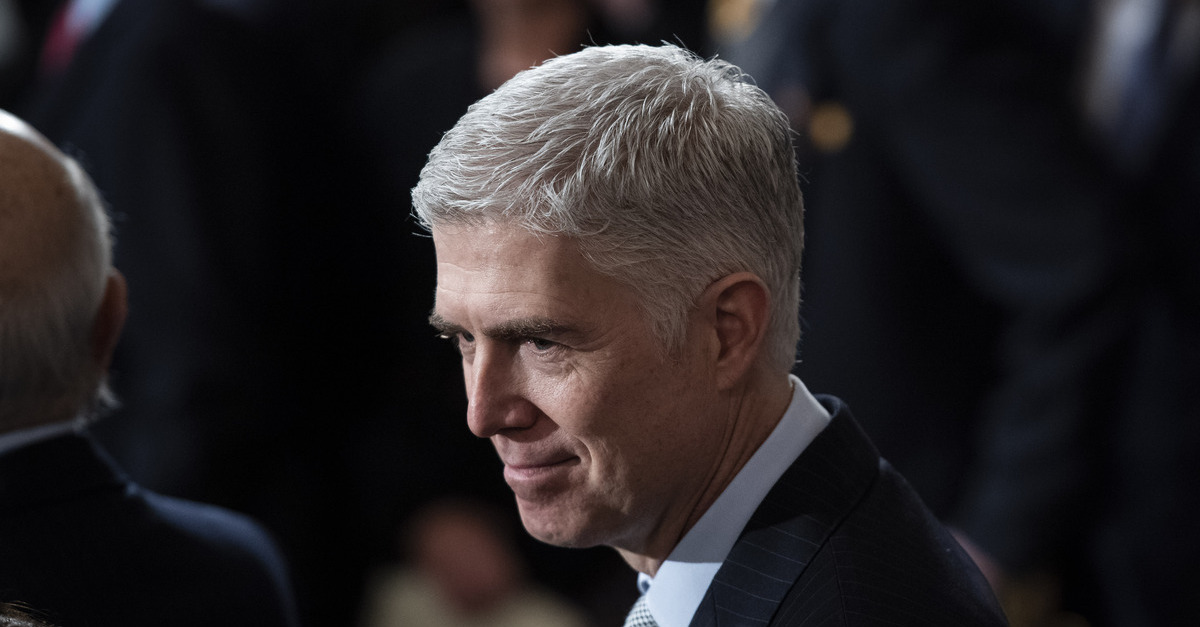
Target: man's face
{"x":605,"y":439}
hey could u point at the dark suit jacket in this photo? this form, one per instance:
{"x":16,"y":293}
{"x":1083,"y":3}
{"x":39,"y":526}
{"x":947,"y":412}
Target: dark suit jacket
{"x":90,"y":549}
{"x":843,"y":540}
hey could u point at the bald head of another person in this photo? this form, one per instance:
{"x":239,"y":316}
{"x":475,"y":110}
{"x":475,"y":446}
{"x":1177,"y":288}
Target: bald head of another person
{"x":79,"y":534}
{"x":62,"y":304}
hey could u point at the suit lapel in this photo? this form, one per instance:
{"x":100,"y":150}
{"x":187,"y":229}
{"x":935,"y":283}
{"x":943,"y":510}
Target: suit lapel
{"x":792,"y":523}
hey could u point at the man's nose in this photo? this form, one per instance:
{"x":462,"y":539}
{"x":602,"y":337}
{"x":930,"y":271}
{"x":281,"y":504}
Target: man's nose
{"x":495,"y":395}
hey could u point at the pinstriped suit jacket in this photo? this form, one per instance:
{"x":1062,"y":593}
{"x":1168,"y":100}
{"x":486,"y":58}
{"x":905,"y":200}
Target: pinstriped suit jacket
{"x":841,"y":539}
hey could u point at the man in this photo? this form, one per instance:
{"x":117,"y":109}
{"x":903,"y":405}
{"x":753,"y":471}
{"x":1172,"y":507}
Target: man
{"x":83,"y":545}
{"x":618,"y":237}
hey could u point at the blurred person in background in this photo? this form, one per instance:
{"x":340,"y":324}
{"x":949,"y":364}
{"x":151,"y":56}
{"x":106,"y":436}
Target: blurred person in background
{"x":12,"y":47}
{"x":265,"y":343}
{"x":81,"y":541}
{"x":463,"y":569}
{"x":1003,"y":278}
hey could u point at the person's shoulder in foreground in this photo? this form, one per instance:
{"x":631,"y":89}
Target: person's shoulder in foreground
{"x":82,"y":544}
{"x":618,"y":235}
{"x":95,"y":547}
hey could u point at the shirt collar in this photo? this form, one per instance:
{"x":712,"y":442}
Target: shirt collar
{"x":24,"y":437}
{"x":675,"y":592}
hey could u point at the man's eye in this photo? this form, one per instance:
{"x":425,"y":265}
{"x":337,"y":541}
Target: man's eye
{"x":540,"y":344}
{"x":459,"y":338}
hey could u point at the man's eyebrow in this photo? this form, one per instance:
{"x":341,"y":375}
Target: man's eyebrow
{"x":509,"y":330}
{"x":522,"y":328}
{"x":443,"y":325}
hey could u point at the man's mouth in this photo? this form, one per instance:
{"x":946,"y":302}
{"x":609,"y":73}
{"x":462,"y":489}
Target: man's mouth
{"x":529,"y":477}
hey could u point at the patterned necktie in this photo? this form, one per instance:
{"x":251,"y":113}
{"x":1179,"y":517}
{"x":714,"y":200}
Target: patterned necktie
{"x":640,"y":616}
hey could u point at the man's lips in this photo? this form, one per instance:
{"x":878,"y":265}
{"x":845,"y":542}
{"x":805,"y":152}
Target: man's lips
{"x":533,"y":473}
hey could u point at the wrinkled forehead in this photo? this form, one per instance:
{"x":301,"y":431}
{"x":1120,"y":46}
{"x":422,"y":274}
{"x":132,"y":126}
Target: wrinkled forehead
{"x":501,"y":252}
{"x":525,"y":274}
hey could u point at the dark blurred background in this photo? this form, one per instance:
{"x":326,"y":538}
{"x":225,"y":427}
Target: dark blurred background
{"x":1002,"y":277}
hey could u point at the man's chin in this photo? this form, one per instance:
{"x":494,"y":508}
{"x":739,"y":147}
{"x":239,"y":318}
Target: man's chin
{"x":555,"y":527}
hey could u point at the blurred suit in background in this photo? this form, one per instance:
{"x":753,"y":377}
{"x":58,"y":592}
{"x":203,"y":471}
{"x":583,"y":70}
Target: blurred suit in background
{"x":1013,"y":312}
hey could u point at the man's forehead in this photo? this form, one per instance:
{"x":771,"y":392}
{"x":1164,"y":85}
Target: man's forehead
{"x":496,"y":257}
{"x":499,"y":271}
{"x":492,"y":230}
{"x":499,"y":251}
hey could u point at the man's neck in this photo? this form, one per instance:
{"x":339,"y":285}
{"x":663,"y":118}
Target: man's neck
{"x":754,"y":410}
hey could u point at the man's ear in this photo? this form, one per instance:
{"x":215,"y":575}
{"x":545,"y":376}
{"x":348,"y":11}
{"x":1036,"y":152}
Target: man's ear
{"x":741,"y":308}
{"x":110,"y":318}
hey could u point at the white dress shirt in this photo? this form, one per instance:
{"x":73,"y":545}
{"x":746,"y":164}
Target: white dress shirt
{"x":675,"y":592}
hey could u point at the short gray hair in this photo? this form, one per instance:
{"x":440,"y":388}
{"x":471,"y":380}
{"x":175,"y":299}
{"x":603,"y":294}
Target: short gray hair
{"x":52,"y":279}
{"x":670,"y":171}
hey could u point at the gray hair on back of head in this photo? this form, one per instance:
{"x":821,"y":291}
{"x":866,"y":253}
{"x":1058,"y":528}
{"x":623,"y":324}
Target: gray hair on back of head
{"x":670,"y":172}
{"x":48,"y":370}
